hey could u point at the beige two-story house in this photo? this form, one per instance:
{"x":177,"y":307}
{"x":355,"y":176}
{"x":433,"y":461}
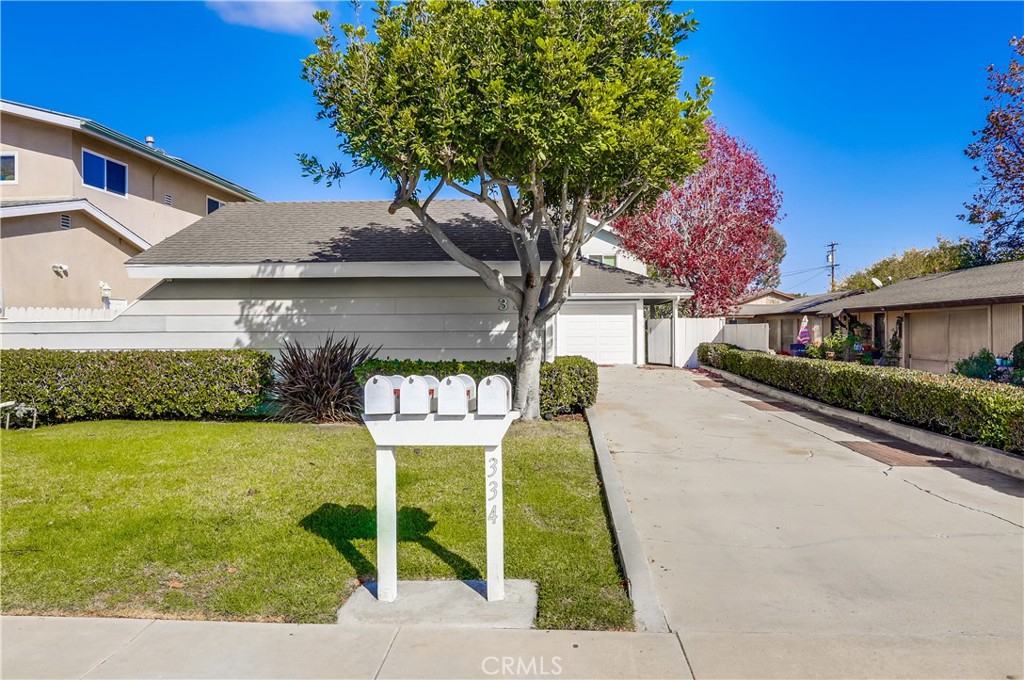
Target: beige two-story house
{"x":78,"y":199}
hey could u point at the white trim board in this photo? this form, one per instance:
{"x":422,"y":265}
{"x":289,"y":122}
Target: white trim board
{"x":70,"y":206}
{"x":314,"y":270}
{"x":628,"y":296}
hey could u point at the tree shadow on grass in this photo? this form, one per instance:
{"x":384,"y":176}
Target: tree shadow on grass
{"x":341,"y":525}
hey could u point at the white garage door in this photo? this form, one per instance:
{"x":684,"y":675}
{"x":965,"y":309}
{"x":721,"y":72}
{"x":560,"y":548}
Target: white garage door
{"x":601,"y":332}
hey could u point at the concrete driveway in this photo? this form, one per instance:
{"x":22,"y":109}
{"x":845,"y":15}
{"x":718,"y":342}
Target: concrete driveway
{"x":778,"y":552}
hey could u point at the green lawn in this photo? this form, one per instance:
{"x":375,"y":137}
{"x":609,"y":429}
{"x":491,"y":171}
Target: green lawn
{"x":263,"y":521}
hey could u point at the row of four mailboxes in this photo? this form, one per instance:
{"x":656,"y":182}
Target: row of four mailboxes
{"x":456,"y":395}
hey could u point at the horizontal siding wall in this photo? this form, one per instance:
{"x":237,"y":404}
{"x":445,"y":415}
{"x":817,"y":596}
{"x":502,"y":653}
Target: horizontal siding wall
{"x":456,"y":318}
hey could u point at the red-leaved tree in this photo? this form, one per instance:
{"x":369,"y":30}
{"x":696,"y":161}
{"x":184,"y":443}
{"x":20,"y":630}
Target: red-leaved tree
{"x":714,"y":231}
{"x":999,"y":151}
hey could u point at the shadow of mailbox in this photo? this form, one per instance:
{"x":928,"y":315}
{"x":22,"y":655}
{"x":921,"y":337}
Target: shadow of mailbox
{"x":341,"y":525}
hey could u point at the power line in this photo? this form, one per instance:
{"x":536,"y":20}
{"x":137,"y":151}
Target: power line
{"x":804,"y":271}
{"x":811,"y":278}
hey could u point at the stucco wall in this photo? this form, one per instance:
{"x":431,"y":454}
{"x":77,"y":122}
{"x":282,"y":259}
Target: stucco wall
{"x":50,"y":165}
{"x":44,"y":158}
{"x":31,"y":245}
{"x":444,"y":318}
{"x":143,"y":210}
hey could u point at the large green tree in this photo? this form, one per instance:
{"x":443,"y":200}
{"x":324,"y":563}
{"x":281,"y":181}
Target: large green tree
{"x":555,"y":115}
{"x":944,"y":256}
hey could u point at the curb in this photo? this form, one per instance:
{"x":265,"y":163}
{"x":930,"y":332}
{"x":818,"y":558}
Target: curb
{"x":976,"y":454}
{"x":639,"y":581}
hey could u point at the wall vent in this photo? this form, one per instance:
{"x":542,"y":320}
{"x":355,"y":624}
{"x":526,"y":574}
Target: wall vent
{"x":65,"y":221}
{"x":168,"y":199}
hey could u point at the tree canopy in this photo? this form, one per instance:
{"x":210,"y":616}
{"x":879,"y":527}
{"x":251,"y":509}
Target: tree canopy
{"x":945,"y":256}
{"x":715,"y":230}
{"x":559,"y":116}
{"x":998,"y":206}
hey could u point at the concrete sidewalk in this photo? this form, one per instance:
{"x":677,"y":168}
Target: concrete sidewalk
{"x":778,"y":552}
{"x":50,"y":647}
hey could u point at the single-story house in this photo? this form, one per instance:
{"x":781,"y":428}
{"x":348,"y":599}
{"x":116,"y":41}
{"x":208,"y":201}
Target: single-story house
{"x":944,"y":317}
{"x":753,"y":304}
{"x":253,"y":274}
{"x":784,"y":318}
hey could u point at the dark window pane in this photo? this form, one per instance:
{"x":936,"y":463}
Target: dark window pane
{"x":117,"y":178}
{"x":7,"y":168}
{"x":211,"y":205}
{"x":93,"y":172}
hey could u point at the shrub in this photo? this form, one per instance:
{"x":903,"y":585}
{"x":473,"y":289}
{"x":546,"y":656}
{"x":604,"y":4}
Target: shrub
{"x":319,"y":384}
{"x":1018,"y":355}
{"x":836,"y":342}
{"x":567,"y":384}
{"x":66,"y":385}
{"x":980,"y":366}
{"x":975,"y":410}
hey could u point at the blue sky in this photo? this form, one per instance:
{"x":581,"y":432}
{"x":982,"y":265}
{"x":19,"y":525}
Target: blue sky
{"x":862,"y":110}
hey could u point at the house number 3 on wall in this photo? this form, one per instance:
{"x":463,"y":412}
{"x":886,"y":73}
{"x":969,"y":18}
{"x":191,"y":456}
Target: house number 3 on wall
{"x":504,"y":305}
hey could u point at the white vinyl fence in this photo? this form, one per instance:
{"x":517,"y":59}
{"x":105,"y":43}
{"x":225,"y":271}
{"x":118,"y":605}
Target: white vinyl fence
{"x":692,"y":332}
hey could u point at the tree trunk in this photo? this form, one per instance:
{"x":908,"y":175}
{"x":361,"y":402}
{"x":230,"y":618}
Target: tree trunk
{"x":529,"y":350}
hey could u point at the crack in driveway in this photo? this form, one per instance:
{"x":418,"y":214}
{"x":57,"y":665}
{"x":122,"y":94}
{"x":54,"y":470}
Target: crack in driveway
{"x":968,"y":507}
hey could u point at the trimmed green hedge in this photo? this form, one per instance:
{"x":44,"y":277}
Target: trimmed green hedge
{"x":137,"y":384}
{"x":567,"y":384}
{"x":975,"y":410}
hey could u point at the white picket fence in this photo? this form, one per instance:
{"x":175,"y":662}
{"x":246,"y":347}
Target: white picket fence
{"x":59,"y":313}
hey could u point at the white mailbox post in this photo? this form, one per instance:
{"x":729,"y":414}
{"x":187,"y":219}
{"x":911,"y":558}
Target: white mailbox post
{"x":425,"y":411}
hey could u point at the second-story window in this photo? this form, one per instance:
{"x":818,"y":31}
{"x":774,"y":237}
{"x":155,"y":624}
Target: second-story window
{"x":610,"y":260}
{"x":212,"y":205}
{"x":104,"y":173}
{"x":9,"y":167}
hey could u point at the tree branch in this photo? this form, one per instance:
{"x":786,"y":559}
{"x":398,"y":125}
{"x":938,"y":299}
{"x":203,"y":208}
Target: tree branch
{"x":492,"y":278}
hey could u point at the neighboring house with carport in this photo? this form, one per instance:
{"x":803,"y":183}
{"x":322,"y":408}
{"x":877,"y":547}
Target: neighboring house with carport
{"x":253,"y":274}
{"x":784,"y":318}
{"x":78,"y":199}
{"x":944,"y":317}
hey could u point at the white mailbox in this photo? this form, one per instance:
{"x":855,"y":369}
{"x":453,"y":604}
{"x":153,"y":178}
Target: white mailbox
{"x":494,"y":396}
{"x":470,"y":385}
{"x":456,"y":395}
{"x":415,"y":396}
{"x":453,"y":411}
{"x":379,"y":396}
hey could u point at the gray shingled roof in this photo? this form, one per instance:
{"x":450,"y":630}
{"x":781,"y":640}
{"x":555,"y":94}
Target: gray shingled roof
{"x":601,"y":279}
{"x":803,"y":305}
{"x":334,"y":231}
{"x":994,"y":283}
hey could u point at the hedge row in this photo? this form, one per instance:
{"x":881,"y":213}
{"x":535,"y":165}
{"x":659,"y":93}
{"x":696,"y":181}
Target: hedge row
{"x":567,"y":384}
{"x":66,"y":385}
{"x":975,"y":410}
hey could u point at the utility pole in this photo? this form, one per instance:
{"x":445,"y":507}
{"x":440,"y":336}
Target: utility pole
{"x":832,"y":262}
